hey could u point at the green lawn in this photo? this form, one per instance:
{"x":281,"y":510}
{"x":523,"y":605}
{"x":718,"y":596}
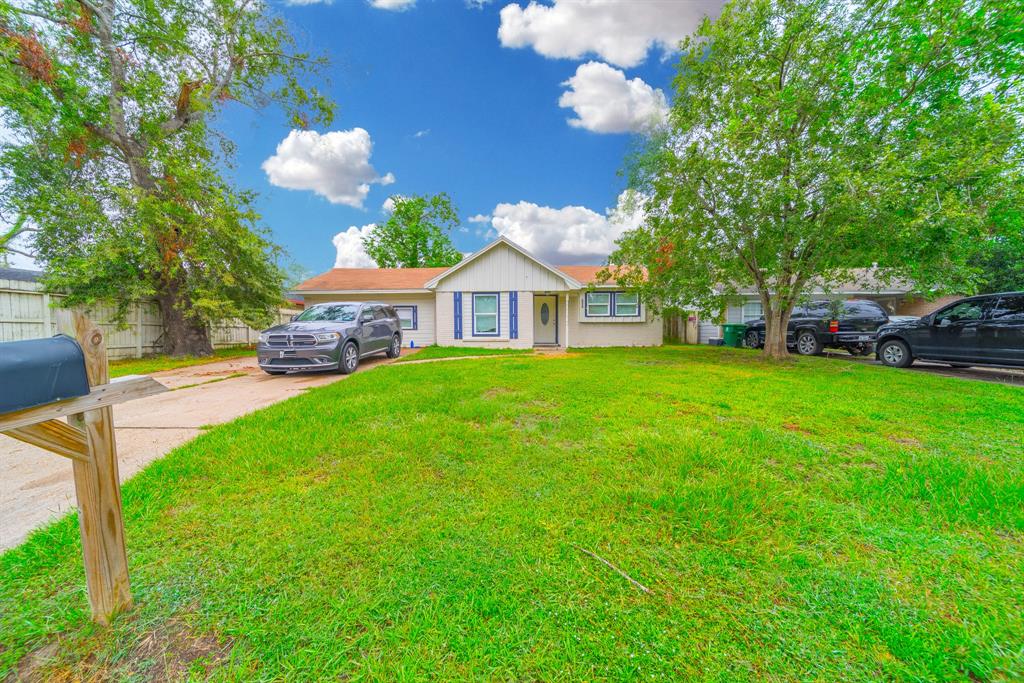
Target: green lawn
{"x":814,"y":520}
{"x":151,"y":364}
{"x":430,"y":352}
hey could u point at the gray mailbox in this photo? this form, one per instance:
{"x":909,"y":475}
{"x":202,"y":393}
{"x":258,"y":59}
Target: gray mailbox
{"x":39,"y":371}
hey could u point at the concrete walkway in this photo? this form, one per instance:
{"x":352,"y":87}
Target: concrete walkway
{"x":37,"y":487}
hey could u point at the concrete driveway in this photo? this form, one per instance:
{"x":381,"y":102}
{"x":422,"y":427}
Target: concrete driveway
{"x":37,"y":486}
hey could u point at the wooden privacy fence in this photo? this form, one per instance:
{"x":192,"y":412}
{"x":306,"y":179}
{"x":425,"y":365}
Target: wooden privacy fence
{"x":26,"y":312}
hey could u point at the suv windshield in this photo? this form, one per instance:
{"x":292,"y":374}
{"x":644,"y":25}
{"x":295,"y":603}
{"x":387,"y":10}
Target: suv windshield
{"x":342,"y":313}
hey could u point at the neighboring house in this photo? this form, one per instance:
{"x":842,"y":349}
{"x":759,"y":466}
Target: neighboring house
{"x":898,"y":298}
{"x":500,"y":296}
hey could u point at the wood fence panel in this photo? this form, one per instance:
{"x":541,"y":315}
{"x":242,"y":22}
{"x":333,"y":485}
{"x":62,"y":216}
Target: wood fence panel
{"x":26,"y":313}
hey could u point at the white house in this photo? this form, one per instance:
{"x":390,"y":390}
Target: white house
{"x":500,"y":296}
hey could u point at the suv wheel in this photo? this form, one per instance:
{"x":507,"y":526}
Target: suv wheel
{"x":807,"y":344}
{"x":895,"y":354}
{"x":395,"y":350}
{"x":349,"y":359}
{"x":753,"y":340}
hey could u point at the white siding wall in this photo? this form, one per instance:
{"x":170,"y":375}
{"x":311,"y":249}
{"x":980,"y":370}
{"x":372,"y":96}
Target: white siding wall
{"x":502,"y":269}
{"x":610,"y":331}
{"x":423,"y":335}
{"x":706,"y":329}
{"x":445,"y":307}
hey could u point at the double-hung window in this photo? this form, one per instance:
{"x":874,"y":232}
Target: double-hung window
{"x":407,"y":316}
{"x":599,"y":304}
{"x":485,"y":315}
{"x":627,"y":304}
{"x":751,"y":311}
{"x":612,"y":304}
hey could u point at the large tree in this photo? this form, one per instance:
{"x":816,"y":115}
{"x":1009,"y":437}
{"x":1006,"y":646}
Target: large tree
{"x":416,"y":234}
{"x":113,"y":166}
{"x":810,"y":137}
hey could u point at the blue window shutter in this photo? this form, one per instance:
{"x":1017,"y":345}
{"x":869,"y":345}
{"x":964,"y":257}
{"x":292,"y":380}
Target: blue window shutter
{"x":458,"y":315}
{"x":513,"y":315}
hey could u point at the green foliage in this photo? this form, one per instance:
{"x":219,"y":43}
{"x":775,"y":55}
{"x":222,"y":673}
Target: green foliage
{"x":416,"y":234}
{"x":113,"y":161}
{"x":818,"y":520}
{"x":810,"y":138}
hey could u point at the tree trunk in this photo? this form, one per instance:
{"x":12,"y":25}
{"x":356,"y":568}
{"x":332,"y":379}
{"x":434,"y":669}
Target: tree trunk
{"x":776,"y":323}
{"x":184,"y":335}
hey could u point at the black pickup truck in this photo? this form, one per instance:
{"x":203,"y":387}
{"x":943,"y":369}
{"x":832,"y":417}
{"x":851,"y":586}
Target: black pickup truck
{"x":851,"y":325}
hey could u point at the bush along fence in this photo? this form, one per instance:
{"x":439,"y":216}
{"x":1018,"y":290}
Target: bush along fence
{"x":27,"y":312}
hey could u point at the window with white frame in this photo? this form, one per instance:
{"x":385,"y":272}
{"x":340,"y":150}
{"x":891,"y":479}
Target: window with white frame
{"x":627,"y":304}
{"x":485,"y":315}
{"x":751,"y":311}
{"x":408,"y":317}
{"x":598,"y":304}
{"x":609,"y":304}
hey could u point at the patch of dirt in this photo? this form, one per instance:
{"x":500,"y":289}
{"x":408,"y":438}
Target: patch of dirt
{"x":906,"y":441}
{"x":172,"y":650}
{"x":34,"y":666}
{"x":793,"y":427}
{"x":494,"y":392}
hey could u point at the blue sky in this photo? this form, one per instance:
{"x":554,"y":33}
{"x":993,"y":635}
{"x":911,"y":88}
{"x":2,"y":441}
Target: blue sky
{"x":448,"y":107}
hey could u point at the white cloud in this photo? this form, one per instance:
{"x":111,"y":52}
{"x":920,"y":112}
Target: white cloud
{"x":393,"y":5}
{"x":619,"y":31}
{"x":479,"y":218}
{"x":605,"y":102}
{"x":349,"y":244}
{"x":335,"y":165}
{"x":422,"y":133}
{"x":569,"y":235}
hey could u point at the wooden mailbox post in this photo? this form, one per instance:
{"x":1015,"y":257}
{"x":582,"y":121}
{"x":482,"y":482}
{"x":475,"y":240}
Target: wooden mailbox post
{"x":87,"y":438}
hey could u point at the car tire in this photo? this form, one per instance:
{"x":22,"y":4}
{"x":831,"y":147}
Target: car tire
{"x":895,"y":353}
{"x":752,"y":340}
{"x":395,"y":349}
{"x":349,"y":359}
{"x":274,"y":372}
{"x":807,"y":343}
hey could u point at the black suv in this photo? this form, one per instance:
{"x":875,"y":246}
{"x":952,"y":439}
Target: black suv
{"x":979,"y":330}
{"x":332,"y":336}
{"x":849,"y":325}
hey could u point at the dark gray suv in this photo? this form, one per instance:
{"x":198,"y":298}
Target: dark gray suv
{"x":331,"y":336}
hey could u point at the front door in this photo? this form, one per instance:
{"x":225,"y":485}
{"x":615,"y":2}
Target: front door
{"x":545,"y":319}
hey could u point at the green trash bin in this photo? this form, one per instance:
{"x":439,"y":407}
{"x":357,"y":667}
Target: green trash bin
{"x":732,"y":334}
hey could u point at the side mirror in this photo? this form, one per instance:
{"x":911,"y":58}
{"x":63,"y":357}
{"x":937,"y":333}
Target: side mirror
{"x":942,"y":323}
{"x":292,"y":318}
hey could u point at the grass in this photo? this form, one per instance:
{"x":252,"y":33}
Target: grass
{"x":814,"y":520}
{"x":430,"y":352}
{"x":150,"y":364}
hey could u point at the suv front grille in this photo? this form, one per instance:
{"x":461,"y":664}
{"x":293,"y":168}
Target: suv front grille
{"x":291,"y":341}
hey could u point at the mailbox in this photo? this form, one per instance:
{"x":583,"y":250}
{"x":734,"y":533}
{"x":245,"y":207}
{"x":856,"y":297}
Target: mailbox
{"x":39,"y":371}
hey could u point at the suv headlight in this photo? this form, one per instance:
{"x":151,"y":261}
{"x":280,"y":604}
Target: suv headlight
{"x":264,"y":337}
{"x":327,"y":337}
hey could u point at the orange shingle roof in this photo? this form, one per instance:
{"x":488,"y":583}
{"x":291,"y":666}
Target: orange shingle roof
{"x":370,"y":279}
{"x":383,"y":279}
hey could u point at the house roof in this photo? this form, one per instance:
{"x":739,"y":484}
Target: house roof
{"x":20,"y":274}
{"x":857,"y":281}
{"x":370,"y":279}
